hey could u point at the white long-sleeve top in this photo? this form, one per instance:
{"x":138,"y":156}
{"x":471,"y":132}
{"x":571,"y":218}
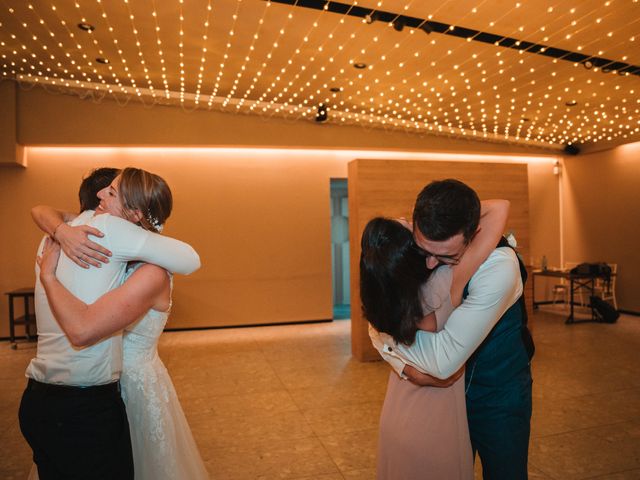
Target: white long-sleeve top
{"x":57,"y":360}
{"x":493,"y":289}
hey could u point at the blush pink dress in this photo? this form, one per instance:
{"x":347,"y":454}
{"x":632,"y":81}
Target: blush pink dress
{"x":423,"y":430}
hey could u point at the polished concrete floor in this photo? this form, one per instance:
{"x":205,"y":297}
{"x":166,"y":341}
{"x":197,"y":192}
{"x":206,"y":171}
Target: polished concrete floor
{"x":289,"y":402}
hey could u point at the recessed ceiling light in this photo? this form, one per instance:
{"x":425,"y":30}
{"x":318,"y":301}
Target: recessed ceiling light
{"x":102,"y":60}
{"x":571,"y":103}
{"x":335,"y":89}
{"x":87,"y":27}
{"x":360,"y":65}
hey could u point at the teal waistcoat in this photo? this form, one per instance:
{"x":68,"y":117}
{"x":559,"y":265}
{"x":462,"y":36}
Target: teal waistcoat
{"x":503,"y":354}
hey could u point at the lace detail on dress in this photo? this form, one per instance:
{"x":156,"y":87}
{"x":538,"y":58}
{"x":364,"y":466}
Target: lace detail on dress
{"x":144,"y":383}
{"x":163,"y":446}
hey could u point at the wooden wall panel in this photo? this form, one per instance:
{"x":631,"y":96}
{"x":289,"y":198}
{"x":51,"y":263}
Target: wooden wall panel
{"x":260,"y":222}
{"x":389,"y":188}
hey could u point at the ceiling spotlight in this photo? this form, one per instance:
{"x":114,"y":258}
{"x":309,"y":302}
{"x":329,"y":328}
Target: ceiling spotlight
{"x":426,"y":28}
{"x":360,"y":65}
{"x":571,"y":103}
{"x":335,"y":89}
{"x":323,"y":113}
{"x":587,"y":64}
{"x":570,"y":149}
{"x":398,"y":24}
{"x":369,"y":18}
{"x":102,"y":60}
{"x":87,"y":27}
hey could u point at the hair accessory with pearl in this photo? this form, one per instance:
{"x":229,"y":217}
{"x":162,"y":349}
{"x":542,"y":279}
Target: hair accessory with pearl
{"x":154,"y":222}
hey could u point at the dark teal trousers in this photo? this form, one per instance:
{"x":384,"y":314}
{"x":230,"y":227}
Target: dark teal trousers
{"x":499,"y":425}
{"x":498,"y":393}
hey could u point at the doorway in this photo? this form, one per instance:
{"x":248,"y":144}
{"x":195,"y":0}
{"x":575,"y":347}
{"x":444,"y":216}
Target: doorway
{"x":340,"y":248}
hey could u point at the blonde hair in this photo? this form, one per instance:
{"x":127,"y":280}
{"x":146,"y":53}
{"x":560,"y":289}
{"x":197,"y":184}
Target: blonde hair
{"x":148,"y":193}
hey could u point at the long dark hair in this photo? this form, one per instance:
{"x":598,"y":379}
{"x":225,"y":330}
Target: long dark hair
{"x":391,"y":274}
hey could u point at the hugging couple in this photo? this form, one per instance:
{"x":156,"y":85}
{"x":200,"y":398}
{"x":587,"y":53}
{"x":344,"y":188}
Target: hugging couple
{"x":99,"y":402}
{"x":444,"y":299}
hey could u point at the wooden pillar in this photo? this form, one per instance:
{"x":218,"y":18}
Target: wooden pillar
{"x":11,"y":154}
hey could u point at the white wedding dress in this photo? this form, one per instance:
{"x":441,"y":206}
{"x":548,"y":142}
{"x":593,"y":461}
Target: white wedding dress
{"x":163,"y":446}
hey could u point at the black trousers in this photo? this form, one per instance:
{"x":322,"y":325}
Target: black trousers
{"x":77,"y":433}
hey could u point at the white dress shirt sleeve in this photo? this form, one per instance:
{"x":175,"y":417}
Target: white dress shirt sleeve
{"x":492,"y":290}
{"x":128,"y":241}
{"x":378,"y":341}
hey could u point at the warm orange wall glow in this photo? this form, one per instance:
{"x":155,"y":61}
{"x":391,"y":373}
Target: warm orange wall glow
{"x":258,"y":217}
{"x":627,"y":154}
{"x":602,"y":207}
{"x":228,"y":152}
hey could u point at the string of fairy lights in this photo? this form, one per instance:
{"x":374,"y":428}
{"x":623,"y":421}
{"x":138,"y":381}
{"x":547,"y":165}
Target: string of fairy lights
{"x":277,"y":96}
{"x":243,"y":67}
{"x":566,"y":90}
{"x":383,"y":57}
{"x":163,"y":68}
{"x":115,"y":79}
{"x":461,"y":74}
{"x":203,"y":58}
{"x":352,"y":37}
{"x":460,"y":70}
{"x":140,"y":54}
{"x":286,"y":61}
{"x":225,"y":56}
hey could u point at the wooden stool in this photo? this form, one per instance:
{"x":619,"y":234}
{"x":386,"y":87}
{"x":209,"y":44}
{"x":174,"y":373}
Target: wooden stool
{"x":27,"y":319}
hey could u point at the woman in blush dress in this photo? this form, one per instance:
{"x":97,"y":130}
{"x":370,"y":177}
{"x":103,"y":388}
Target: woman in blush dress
{"x":163,"y":446}
{"x":423,"y":430}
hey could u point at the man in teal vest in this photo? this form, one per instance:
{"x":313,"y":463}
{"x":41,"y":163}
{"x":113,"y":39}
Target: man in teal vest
{"x":487,"y":331}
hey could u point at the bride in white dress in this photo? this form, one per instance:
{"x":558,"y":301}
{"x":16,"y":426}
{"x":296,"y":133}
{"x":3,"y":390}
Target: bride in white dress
{"x":163,"y":446}
{"x":162,"y":443}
